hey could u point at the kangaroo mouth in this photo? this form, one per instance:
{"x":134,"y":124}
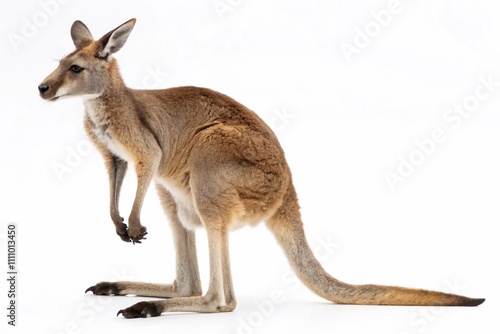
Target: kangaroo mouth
{"x":55,"y":98}
{"x":50,"y":98}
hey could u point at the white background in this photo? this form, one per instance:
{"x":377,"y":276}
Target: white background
{"x":345,"y":121}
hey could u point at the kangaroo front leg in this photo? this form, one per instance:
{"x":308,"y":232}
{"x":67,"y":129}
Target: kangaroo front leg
{"x":146,"y":166}
{"x":116,"y":171}
{"x":116,"y":168}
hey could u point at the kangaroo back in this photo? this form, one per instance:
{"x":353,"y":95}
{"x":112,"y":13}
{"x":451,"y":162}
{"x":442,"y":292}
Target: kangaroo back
{"x":288,"y":230}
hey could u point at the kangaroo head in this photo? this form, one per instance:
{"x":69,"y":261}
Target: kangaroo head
{"x":88,"y":70}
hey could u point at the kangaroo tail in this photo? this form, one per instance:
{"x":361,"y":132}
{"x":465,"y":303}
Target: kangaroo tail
{"x":288,"y":230}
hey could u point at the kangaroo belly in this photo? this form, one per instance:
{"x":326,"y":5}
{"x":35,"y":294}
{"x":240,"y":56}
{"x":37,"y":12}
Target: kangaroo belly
{"x":185,"y":207}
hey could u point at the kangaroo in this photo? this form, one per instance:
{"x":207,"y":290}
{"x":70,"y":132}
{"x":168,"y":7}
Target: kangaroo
{"x":216,"y":165}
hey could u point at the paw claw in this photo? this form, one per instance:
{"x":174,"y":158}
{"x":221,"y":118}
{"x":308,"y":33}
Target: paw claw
{"x":122,"y":231}
{"x":137,"y":234}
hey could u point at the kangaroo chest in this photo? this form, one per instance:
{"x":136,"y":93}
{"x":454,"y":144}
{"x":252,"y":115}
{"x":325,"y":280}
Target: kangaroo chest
{"x":103,"y":131}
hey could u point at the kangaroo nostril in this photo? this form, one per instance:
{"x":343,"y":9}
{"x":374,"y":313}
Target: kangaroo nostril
{"x":43,"y":88}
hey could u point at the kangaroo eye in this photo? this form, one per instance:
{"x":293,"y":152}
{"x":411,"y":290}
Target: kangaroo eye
{"x":75,"y":69}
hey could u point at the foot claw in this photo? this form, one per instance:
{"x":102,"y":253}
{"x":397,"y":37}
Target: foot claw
{"x":105,"y":288}
{"x":92,"y":288}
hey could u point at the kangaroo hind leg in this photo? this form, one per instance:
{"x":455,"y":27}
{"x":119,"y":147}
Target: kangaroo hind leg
{"x":216,"y":211}
{"x":218,"y":298}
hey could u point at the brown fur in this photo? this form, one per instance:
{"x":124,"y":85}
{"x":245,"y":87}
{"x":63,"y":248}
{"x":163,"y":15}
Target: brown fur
{"x":216,"y":165}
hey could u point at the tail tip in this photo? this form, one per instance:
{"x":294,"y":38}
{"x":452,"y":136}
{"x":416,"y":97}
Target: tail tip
{"x":474,"y":301}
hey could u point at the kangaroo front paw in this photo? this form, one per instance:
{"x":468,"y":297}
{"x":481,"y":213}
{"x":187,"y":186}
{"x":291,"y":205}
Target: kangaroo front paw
{"x":140,"y":310}
{"x":122,"y":231}
{"x":136,"y":234}
{"x":105,"y":289}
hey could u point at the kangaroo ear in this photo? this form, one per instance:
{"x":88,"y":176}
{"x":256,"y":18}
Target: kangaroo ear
{"x":81,"y":34}
{"x":114,"y":40}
